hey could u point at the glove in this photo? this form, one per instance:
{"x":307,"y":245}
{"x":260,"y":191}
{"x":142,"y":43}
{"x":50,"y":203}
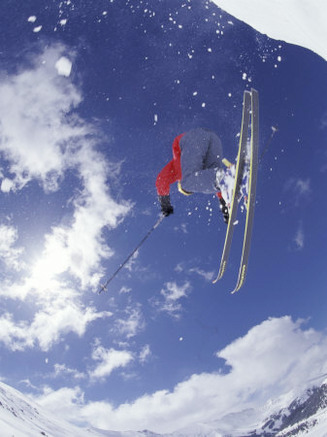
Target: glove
{"x":224,"y":210}
{"x":166,"y":207}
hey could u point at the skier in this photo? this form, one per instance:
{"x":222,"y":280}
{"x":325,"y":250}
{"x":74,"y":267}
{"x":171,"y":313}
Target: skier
{"x":196,"y":167}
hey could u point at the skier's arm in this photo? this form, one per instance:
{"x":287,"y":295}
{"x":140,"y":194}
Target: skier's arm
{"x":165,"y":178}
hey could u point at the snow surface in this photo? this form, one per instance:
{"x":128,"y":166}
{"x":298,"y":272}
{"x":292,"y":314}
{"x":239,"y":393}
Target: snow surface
{"x":300,"y":22}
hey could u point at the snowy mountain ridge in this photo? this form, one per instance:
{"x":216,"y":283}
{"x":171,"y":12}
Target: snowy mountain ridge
{"x":299,"y":22}
{"x":21,"y":417}
{"x":304,"y":416}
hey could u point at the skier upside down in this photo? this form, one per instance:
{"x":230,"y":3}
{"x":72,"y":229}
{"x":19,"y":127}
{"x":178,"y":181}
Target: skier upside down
{"x":196,"y":166}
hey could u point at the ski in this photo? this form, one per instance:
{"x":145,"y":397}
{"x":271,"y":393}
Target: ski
{"x":253,"y":170}
{"x":241,"y":156}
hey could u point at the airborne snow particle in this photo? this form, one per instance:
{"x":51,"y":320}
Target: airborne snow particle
{"x":31,"y":19}
{"x":64,"y":66}
{"x":37,"y":29}
{"x":203,"y":105}
{"x":279,"y":59}
{"x":63,"y":21}
{"x":244,"y":76}
{"x":181,"y":338}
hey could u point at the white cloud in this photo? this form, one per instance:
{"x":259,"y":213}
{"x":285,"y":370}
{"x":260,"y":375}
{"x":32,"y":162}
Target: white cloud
{"x":63,"y":370}
{"x":303,"y":186}
{"x":42,"y":144}
{"x":10,"y":254}
{"x":109,"y":360}
{"x":145,"y":354}
{"x":172,"y":293}
{"x":206,"y":275}
{"x":35,"y":141}
{"x":56,"y":318}
{"x":272,"y":359}
{"x":299,"y":238}
{"x":65,"y":399}
{"x":179,"y":268}
{"x":132,"y":262}
{"x":133,"y":324}
{"x":299,"y":187}
{"x":181,"y":228}
{"x":6,"y":185}
{"x":124,"y":290}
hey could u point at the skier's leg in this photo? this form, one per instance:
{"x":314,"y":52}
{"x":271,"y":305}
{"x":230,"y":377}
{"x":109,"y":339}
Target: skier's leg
{"x":195,"y":157}
{"x":214,"y":154}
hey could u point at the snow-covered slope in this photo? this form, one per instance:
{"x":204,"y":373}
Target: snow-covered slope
{"x":304,"y":416}
{"x":20,"y":417}
{"x":300,"y":22}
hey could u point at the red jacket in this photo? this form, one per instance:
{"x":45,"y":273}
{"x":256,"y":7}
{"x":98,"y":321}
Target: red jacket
{"x":172,"y":172}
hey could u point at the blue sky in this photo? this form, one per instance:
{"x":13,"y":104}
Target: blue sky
{"x":79,"y":157}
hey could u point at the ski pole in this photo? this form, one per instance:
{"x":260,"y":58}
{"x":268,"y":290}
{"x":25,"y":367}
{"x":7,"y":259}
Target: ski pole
{"x":157,"y":223}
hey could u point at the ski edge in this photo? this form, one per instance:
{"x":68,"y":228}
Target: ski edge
{"x":230,"y":226}
{"x":252,"y":190}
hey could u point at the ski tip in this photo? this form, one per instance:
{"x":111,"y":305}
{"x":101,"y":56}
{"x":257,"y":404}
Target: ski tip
{"x":219,"y":276}
{"x":235,"y":290}
{"x":241,"y":279}
{"x":238,"y":286}
{"x":221,"y":272}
